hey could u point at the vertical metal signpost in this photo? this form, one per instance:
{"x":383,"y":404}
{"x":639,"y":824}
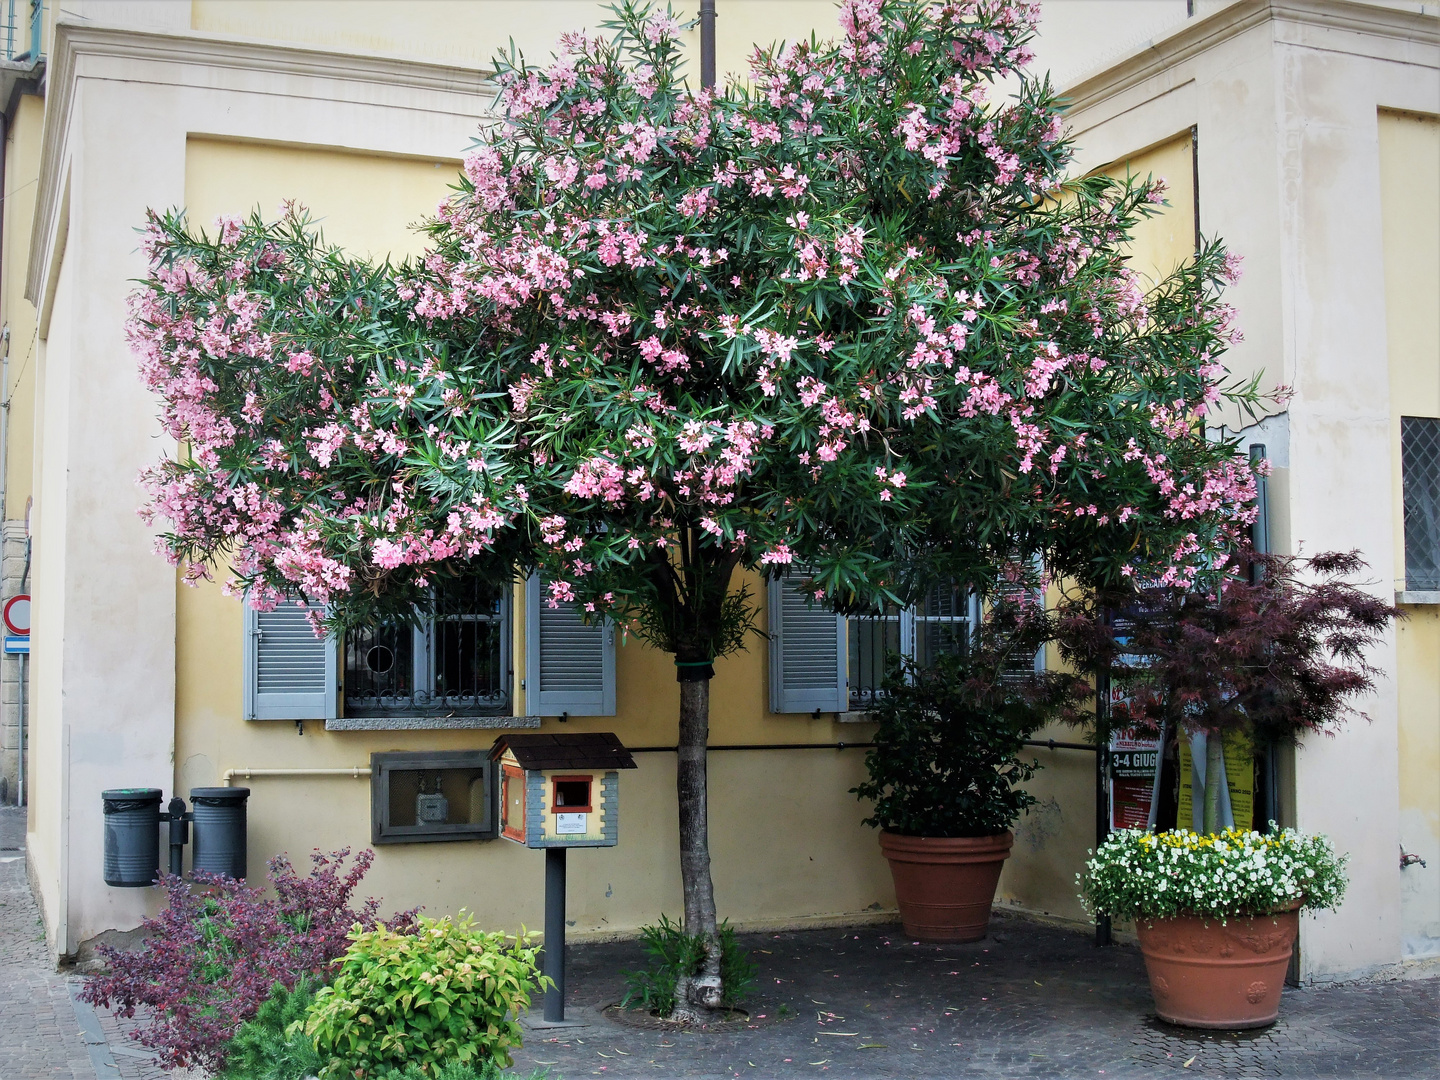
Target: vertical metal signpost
{"x":707,"y":43}
{"x":1102,"y":769}
{"x":555,"y":934}
{"x":17,"y":644}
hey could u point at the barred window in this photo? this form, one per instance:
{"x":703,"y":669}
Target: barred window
{"x":1420,"y":470}
{"x":872,"y":640}
{"x":939,"y":625}
{"x":456,"y":662}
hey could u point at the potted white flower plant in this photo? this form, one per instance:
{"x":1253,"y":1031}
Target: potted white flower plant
{"x":1277,"y":652}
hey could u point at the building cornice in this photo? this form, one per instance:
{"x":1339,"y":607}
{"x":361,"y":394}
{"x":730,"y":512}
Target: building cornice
{"x":204,"y":52}
{"x":1197,"y":36}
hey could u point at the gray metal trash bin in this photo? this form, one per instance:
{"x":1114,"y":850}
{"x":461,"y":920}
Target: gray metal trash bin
{"x":132,"y":837}
{"x":219,"y":824}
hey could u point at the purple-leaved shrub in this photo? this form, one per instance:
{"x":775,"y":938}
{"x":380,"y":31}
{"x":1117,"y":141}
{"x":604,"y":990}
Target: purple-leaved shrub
{"x":211,"y":958}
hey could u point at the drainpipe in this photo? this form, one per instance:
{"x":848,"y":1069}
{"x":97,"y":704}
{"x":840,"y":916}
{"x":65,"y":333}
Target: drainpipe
{"x":707,"y":43}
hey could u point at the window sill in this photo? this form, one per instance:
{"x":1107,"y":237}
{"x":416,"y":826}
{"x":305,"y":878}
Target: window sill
{"x":855,"y":718}
{"x":429,"y":723}
{"x":1418,"y":596}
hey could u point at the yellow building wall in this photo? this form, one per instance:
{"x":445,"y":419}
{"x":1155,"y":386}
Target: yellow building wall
{"x":1410,"y":219}
{"x":22,"y":165}
{"x":366,"y":204}
{"x":786,"y":838}
{"x":1051,"y":841}
{"x":471,"y":32}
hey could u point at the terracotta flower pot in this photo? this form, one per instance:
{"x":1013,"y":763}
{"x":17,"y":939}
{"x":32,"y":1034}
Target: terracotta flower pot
{"x":1209,"y":974}
{"x":945,"y":886}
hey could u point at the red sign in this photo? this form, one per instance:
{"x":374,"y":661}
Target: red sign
{"x":1132,"y":779}
{"x":17,"y":615}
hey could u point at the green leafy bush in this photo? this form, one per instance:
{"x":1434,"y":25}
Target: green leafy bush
{"x":272,"y":1045}
{"x":444,"y":993}
{"x":671,"y":952}
{"x":1138,"y":874}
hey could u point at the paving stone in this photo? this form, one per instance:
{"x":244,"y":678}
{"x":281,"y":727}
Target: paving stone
{"x":1030,"y":1001}
{"x":40,"y":1037}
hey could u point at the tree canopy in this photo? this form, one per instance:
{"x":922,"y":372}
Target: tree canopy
{"x":852,"y":315}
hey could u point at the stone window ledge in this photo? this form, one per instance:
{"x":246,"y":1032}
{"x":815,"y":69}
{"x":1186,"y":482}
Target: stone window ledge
{"x":429,"y":723}
{"x":1418,"y":596}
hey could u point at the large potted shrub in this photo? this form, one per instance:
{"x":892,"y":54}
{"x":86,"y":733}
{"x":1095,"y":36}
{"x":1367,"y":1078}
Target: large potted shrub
{"x":945,"y":769}
{"x":1277,"y":651}
{"x":1216,"y":914}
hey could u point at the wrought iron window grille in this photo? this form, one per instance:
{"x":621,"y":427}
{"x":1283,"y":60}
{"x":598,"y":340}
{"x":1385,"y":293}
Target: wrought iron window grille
{"x":1420,"y":472}
{"x":455,"y":662}
{"x":939,"y":625}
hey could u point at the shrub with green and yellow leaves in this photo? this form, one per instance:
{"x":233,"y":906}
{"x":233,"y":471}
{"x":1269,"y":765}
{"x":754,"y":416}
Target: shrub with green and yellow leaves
{"x":442,"y":993}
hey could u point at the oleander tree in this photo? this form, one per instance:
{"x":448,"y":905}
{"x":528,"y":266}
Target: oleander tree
{"x":851,"y":319}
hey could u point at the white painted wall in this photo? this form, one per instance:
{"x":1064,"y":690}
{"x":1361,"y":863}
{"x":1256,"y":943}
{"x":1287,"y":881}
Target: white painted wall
{"x":1285,"y":105}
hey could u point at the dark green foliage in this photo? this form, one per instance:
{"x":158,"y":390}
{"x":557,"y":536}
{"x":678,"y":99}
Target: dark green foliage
{"x":264,"y":1047}
{"x":945,"y":762}
{"x":671,"y":952}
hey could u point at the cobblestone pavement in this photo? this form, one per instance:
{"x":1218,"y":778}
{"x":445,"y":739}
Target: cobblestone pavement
{"x":1030,"y":1001}
{"x":40,"y":1036}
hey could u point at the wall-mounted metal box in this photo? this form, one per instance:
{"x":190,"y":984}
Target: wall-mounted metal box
{"x":431,"y":795}
{"x":559,"y":791}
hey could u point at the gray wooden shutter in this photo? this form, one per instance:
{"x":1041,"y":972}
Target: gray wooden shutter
{"x":289,"y":672}
{"x":569,"y":664}
{"x":807,"y":652}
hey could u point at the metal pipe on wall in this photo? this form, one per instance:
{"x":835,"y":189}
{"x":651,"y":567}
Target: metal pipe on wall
{"x":707,"y":43}
{"x":358,"y":772}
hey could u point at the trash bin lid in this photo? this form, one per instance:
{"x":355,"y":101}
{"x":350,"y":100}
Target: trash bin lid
{"x":129,"y":798}
{"x":218,"y":796}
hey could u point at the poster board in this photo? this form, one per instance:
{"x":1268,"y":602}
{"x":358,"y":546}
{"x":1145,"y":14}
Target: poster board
{"x":1239,"y":775}
{"x":1132,"y":779}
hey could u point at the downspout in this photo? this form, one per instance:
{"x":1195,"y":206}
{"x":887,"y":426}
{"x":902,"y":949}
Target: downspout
{"x":707,"y":44}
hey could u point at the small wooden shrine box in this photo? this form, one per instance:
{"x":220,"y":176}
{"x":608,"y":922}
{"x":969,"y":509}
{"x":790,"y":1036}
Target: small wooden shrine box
{"x":561,"y":790}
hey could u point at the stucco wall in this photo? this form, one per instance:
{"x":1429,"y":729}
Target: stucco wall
{"x":1410,"y":216}
{"x":1285,"y":101}
{"x":128,"y":663}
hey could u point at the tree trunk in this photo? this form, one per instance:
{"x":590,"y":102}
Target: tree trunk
{"x":698,"y":994}
{"x":1214,"y":772}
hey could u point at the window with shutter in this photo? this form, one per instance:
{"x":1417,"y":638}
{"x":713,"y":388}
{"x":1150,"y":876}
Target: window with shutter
{"x":939,"y":625}
{"x":290,"y":673}
{"x":569,"y":664}
{"x":807,"y":652}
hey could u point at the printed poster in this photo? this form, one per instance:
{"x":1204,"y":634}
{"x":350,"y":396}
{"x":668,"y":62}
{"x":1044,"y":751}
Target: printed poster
{"x":1132,"y":779}
{"x":1239,"y":776}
